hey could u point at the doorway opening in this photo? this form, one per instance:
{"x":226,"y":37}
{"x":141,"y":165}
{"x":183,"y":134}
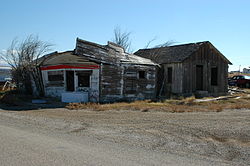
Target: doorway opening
{"x":199,"y":77}
{"x":70,"y":81}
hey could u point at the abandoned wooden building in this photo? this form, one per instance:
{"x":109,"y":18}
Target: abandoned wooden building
{"x":195,"y":68}
{"x":98,"y":73}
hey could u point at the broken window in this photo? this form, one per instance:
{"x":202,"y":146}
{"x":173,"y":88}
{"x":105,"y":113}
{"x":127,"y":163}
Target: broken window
{"x":55,"y":75}
{"x":142,"y":74}
{"x":83,"y":81}
{"x":55,"y":78}
{"x":130,"y":86}
{"x":84,"y":78}
{"x":130,"y":82}
{"x":214,"y":76}
{"x":169,"y":76}
{"x":131,"y":74}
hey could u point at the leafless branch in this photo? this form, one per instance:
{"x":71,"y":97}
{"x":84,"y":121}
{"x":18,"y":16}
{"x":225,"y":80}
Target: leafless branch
{"x":23,"y":58}
{"x":150,"y":42}
{"x":165,"y":44}
{"x":122,"y":39}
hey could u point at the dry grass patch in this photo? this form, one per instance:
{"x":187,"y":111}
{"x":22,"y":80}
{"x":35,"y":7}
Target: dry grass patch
{"x":170,"y":105}
{"x":231,"y":103}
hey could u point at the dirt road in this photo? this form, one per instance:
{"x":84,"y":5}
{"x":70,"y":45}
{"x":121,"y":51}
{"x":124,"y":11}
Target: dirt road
{"x":22,"y":148}
{"x":66,"y":137}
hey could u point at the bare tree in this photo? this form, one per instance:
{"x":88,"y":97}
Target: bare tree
{"x":23,"y":57}
{"x":122,"y":39}
{"x":165,"y":44}
{"x":150,"y":42}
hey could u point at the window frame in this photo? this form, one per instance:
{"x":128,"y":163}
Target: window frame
{"x":53,"y":74}
{"x":89,"y":81}
{"x":84,"y":74}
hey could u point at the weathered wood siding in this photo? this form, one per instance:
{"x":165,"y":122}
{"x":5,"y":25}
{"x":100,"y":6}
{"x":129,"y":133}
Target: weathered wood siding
{"x":207,"y":57}
{"x":176,"y":86}
{"x":144,"y":87}
{"x":110,"y":82}
{"x":122,"y":82}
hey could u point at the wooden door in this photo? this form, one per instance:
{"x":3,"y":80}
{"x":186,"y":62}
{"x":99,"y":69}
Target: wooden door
{"x":199,"y":77}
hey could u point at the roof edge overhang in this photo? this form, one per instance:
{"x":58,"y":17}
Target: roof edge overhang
{"x":210,"y":44}
{"x":40,"y":60}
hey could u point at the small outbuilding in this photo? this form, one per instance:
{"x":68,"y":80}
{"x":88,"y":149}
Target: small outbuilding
{"x":195,"y":68}
{"x":98,"y":73}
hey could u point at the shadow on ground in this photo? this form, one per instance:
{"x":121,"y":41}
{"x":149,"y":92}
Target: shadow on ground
{"x":28,"y":105}
{"x":17,"y":101}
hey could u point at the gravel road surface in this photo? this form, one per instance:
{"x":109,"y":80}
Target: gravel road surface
{"x":55,"y":137}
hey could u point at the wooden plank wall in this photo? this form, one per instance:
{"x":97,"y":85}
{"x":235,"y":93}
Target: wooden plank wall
{"x":115,"y":84}
{"x":145,"y":87}
{"x":177,"y":78}
{"x":208,"y":58}
{"x":110,"y":83}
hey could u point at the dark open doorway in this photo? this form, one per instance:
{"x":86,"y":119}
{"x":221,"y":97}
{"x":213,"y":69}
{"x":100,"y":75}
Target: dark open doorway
{"x":199,"y":77}
{"x":70,"y":81}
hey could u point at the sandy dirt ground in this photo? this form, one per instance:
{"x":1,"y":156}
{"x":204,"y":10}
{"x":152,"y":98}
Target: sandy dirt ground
{"x":197,"y":138}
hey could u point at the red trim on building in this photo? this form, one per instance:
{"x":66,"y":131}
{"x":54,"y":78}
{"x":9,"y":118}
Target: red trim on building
{"x":70,"y":67}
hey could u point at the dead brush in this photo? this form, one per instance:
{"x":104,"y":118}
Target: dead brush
{"x":215,"y":107}
{"x":90,"y":106}
{"x":172,"y":105}
{"x":190,"y":100}
{"x":239,"y":106}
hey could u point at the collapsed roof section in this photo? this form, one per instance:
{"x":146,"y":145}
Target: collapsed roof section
{"x":110,"y":53}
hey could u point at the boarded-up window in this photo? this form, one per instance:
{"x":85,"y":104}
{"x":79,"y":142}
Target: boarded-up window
{"x":214,"y":76}
{"x":84,"y":78}
{"x":55,"y":78}
{"x":130,"y":82}
{"x":131,"y":74}
{"x":142,"y":74}
{"x":130,"y":86}
{"x":170,"y":75}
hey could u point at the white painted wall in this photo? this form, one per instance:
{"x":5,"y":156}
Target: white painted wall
{"x":53,"y":91}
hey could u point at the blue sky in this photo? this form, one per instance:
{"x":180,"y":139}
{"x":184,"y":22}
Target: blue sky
{"x":225,"y":23}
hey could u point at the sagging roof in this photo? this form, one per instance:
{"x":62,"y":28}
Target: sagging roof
{"x":110,"y":53}
{"x":175,"y":53}
{"x":40,"y":60}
